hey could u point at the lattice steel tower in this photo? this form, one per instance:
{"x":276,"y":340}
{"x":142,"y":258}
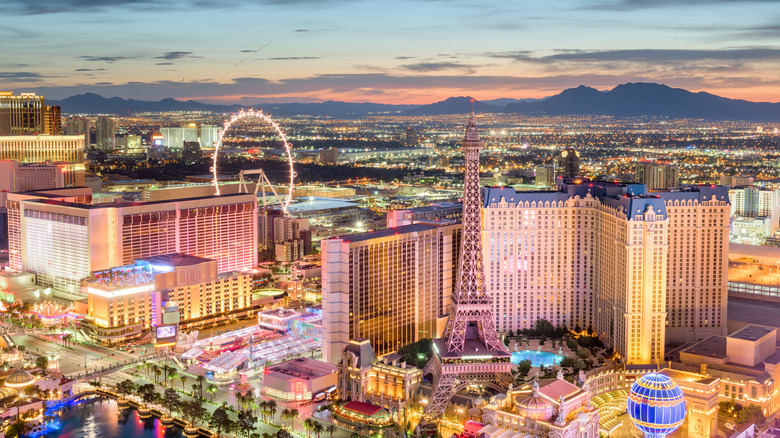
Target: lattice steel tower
{"x":470,"y":353}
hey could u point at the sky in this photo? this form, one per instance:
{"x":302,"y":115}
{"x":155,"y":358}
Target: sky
{"x":388,"y":51}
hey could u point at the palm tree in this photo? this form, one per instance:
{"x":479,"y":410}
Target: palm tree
{"x":211,"y":390}
{"x":263,"y":405}
{"x":240,"y":400}
{"x":294,"y":414}
{"x":317,"y":428}
{"x":172,"y":375}
{"x":308,"y":424}
{"x":183,"y":379}
{"x":194,"y":388}
{"x":329,"y":429}
{"x":272,"y":410}
{"x":360,"y":428}
{"x":200,"y":380}
{"x":157,"y":372}
{"x":286,"y":414}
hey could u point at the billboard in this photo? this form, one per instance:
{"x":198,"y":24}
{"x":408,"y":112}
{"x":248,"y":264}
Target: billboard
{"x":165,"y":332}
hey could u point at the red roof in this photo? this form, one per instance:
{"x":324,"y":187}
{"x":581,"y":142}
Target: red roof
{"x":472,"y":427}
{"x":366,"y":409}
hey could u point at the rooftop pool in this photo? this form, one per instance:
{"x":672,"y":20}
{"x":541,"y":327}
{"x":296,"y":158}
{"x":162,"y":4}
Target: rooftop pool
{"x":537,"y":358}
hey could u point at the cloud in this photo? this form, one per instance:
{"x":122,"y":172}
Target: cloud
{"x":629,"y":5}
{"x":645,"y":55}
{"x":405,"y":57}
{"x":290,"y":58}
{"x":170,"y":56}
{"x":247,"y":51}
{"x":21,"y":76}
{"x":164,"y":63}
{"x":301,"y":30}
{"x":90,"y":69}
{"x":423,"y":67}
{"x":110,"y":59}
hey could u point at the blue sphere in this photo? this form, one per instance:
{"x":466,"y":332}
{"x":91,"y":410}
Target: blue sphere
{"x":656,"y":405}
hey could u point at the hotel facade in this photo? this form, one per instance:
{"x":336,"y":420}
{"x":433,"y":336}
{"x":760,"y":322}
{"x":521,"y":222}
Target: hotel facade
{"x":63,"y":242}
{"x":642,"y":269}
{"x":391,"y":287}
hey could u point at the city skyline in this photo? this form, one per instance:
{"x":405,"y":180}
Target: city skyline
{"x":409,"y":52}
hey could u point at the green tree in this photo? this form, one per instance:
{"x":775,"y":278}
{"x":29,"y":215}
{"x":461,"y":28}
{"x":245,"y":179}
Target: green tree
{"x":544,"y":327}
{"x":183,"y":379}
{"x":172,"y":375}
{"x":171,"y":400}
{"x":17,"y":429}
{"x":583,"y":353}
{"x":308,"y":424}
{"x":542,"y":338}
{"x":318,"y":428}
{"x":272,"y":407}
{"x":329,"y":429}
{"x":524,"y":366}
{"x":200,"y":380}
{"x":194,"y":411}
{"x":147,"y":393}
{"x":246,"y":422}
{"x":750,"y":414}
{"x":212,"y":390}
{"x":221,"y":421}
{"x":125,"y":387}
{"x":194,"y":389}
{"x":42,"y":362}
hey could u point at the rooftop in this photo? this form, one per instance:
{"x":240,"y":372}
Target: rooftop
{"x":714,"y":346}
{"x":366,"y":409}
{"x":405,"y":229}
{"x":751,"y":332}
{"x":176,"y":259}
{"x":121,"y":203}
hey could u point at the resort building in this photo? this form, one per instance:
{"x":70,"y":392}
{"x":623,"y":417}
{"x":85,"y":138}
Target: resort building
{"x":42,"y":148}
{"x":63,"y":242}
{"x":612,"y":257}
{"x":387,"y":381}
{"x":299,"y":379}
{"x":392,"y":287}
{"x":123,"y":301}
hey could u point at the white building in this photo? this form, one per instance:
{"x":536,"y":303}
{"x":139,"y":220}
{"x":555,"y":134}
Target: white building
{"x":205,"y":135}
{"x":753,"y":202}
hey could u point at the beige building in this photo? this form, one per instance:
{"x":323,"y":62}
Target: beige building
{"x":657,"y":176}
{"x":386,"y":381}
{"x":42,"y":148}
{"x":123,"y":301}
{"x":299,"y":379}
{"x":15,"y":177}
{"x":392,"y":287}
{"x":612,"y":257}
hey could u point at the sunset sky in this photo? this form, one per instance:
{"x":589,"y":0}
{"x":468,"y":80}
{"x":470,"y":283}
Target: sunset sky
{"x":399,"y":51}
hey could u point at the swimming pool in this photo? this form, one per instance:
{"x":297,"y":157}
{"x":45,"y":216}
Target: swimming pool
{"x":537,"y":358}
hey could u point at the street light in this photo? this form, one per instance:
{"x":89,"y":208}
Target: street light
{"x":18,"y":380}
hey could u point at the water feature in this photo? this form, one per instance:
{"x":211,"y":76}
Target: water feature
{"x":537,"y":358}
{"x":98,"y":417}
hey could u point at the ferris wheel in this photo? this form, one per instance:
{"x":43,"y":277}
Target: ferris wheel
{"x":262,"y":181}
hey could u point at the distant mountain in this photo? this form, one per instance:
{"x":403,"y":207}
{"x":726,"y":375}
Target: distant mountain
{"x":503,"y":101}
{"x":647,"y":99}
{"x":626,"y":100}
{"x":454,"y":105}
{"x":91,"y":103}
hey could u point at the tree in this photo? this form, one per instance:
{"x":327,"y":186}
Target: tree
{"x":125,"y":387}
{"x":329,"y":429}
{"x":317,"y":428}
{"x":200,"y":380}
{"x":281,"y":433}
{"x":42,"y":362}
{"x":246,"y":422}
{"x":272,"y":410}
{"x":157,"y":372}
{"x":212,"y":390}
{"x":183,"y":379}
{"x":524,"y":366}
{"x":750,"y":414}
{"x":583,"y":353}
{"x":510,"y":334}
{"x":147,"y":393}
{"x":544,"y":327}
{"x":194,"y":389}
{"x":221,"y":421}
{"x":18,"y":428}
{"x":172,"y":375}
{"x":308,"y":424}
{"x":286,"y":415}
{"x":542,"y":338}
{"x":294,"y":414}
{"x":194,"y":411}
{"x":171,"y":400}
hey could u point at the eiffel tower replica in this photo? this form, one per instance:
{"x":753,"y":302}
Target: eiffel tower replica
{"x":470,"y":353}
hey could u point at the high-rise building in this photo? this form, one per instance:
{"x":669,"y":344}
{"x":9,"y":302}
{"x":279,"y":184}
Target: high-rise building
{"x":105,"y":131}
{"x":391,"y":287}
{"x":411,"y":138}
{"x":22,"y":114}
{"x":41,"y":148}
{"x":52,"y":120}
{"x":329,"y":155}
{"x":62,"y":242}
{"x":545,"y":176}
{"x":78,"y":126}
{"x":281,"y":238}
{"x":657,"y":176}
{"x":569,"y":163}
{"x":612,"y":257}
{"x":736,"y":180}
{"x":205,"y":135}
{"x":15,"y":177}
{"x":191,"y":152}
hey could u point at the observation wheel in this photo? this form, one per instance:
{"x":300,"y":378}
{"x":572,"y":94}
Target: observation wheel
{"x":262,"y":180}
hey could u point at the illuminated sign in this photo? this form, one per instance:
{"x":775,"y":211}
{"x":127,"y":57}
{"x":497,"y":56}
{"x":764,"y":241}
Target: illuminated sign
{"x":165,"y":331}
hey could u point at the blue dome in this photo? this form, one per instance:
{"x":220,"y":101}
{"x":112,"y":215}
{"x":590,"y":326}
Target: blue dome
{"x":656,"y":405}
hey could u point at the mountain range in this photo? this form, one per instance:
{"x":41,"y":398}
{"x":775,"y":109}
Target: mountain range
{"x":626,"y":100}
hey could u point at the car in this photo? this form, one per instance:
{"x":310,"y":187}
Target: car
{"x":131,"y":351}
